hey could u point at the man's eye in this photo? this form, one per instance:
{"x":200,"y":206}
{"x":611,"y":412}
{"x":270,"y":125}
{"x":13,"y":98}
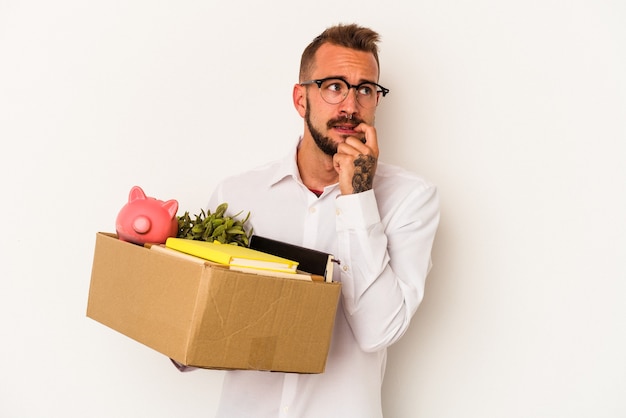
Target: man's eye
{"x":366,"y":90}
{"x":335,"y":87}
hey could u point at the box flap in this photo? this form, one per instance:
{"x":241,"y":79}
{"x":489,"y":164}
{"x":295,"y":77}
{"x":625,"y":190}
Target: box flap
{"x":144,"y":295}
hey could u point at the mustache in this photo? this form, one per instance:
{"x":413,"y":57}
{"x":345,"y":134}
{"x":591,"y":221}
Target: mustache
{"x":343,"y":120}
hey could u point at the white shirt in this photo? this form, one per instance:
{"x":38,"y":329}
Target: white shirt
{"x":383,"y":239}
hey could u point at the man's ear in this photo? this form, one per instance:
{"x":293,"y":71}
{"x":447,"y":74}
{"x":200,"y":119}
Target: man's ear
{"x":299,"y":99}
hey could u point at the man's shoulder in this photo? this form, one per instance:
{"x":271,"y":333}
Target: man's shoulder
{"x":389,"y":175}
{"x":399,"y":189}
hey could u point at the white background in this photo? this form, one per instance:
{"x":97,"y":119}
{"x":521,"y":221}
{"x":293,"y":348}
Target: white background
{"x":516,"y":110}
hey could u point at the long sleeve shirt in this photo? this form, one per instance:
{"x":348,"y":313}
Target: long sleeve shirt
{"x":383,"y":239}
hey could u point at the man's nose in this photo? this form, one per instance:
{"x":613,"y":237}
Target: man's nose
{"x":350,"y":104}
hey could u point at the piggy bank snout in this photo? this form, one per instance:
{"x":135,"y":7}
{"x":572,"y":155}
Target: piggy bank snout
{"x":142,"y":224}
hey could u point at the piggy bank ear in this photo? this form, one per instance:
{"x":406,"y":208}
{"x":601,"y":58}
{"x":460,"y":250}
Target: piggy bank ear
{"x":136,"y":193}
{"x":171,"y":206}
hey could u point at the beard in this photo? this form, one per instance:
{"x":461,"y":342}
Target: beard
{"x":325,"y":143}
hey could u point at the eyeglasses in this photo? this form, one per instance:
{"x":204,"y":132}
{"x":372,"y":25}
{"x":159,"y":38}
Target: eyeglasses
{"x":335,"y":90}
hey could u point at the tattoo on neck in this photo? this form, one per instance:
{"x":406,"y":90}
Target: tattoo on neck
{"x":363,"y":178}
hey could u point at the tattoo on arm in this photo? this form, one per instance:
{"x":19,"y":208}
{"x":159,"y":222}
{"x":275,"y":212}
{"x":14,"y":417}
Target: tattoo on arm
{"x":363,"y":178}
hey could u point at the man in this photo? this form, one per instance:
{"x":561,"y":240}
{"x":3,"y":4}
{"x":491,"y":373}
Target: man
{"x":330,"y":193}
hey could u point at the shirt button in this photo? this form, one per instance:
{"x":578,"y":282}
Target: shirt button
{"x":338,"y":212}
{"x":312,"y":210}
{"x":344,"y":268}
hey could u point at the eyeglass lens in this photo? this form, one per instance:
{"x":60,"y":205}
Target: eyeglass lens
{"x":334,"y":91}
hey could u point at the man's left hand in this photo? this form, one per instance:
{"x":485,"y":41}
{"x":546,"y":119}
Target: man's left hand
{"x":356,"y":160}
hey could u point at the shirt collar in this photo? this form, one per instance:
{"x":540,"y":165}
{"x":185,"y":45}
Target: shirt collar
{"x":288,"y":166}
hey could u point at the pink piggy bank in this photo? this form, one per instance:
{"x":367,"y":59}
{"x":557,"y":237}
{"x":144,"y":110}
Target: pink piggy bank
{"x":146,"y":219}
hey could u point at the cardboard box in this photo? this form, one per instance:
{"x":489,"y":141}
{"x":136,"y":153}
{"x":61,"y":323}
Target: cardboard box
{"x":204,"y":315}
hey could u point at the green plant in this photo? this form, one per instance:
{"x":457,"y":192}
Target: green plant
{"x":215,"y":226}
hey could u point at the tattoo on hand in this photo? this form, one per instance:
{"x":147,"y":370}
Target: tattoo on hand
{"x":363,"y":178}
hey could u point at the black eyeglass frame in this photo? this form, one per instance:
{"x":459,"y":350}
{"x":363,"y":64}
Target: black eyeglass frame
{"x":356,"y":87}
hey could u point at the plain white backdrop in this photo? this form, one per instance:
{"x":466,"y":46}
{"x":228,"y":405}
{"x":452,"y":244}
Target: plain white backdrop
{"x":516,"y":110}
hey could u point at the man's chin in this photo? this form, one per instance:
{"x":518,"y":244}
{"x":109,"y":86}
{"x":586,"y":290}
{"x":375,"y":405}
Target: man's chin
{"x":327,"y":146}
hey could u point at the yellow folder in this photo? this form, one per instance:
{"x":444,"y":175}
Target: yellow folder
{"x":232,"y":255}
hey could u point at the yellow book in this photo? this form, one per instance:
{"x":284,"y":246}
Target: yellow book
{"x":300,"y":275}
{"x":232,"y":255}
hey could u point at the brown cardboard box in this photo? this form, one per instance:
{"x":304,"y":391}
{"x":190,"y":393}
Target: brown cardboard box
{"x":204,"y":315}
